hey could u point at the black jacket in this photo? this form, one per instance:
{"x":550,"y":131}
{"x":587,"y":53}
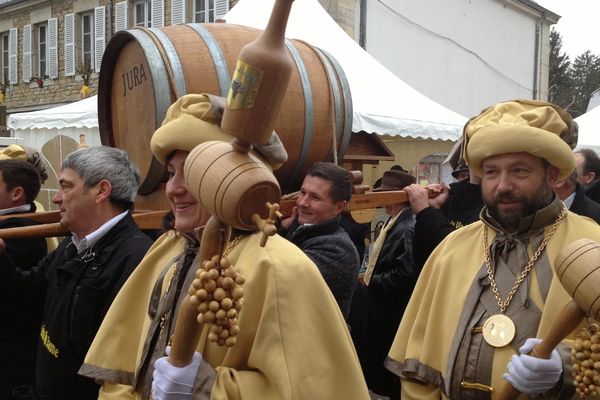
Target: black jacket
{"x":463,"y":207}
{"x":331,"y":249}
{"x":74,"y":291}
{"x":357,"y":233}
{"x":18,"y":338}
{"x":395,"y":271}
{"x":24,"y":252}
{"x":585,"y":206}
{"x":593,"y":191}
{"x":391,"y":285}
{"x":464,"y":203}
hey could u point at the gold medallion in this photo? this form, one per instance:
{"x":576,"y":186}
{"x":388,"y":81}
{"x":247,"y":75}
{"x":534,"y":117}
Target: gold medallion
{"x":498,"y":330}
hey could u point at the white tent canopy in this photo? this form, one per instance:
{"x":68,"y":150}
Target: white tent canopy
{"x":382,"y":102}
{"x":56,"y":132}
{"x":36,"y":128}
{"x":589,"y":130}
{"x":79,"y":114}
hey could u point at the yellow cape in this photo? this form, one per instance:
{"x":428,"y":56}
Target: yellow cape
{"x":119,"y":341}
{"x":293,"y":341}
{"x":431,"y":319}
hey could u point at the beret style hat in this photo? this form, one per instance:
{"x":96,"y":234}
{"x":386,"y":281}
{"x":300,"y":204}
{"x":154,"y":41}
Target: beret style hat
{"x":194,"y":119}
{"x":395,"y":180}
{"x":539,"y":128}
{"x":189,"y":122}
{"x":462,"y":166}
{"x":32,"y":156}
{"x":13,"y":152}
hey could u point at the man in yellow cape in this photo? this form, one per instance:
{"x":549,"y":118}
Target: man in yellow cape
{"x":489,"y":289}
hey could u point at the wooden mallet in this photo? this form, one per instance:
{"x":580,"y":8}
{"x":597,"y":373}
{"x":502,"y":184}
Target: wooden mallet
{"x":578,"y":269}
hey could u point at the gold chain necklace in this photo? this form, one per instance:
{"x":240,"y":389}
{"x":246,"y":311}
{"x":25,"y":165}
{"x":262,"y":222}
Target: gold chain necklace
{"x":231,"y":245}
{"x":499,"y":330}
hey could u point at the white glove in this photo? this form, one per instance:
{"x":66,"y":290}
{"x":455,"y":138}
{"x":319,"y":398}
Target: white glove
{"x":531,"y":375}
{"x":174,"y":383}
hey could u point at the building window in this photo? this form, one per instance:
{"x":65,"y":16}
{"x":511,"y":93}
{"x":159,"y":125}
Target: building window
{"x":42,"y":49}
{"x":142,"y":13}
{"x":87,"y":40}
{"x":204,"y":11}
{"x":4,"y":60}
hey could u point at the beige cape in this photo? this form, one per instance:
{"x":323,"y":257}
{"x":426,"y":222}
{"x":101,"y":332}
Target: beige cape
{"x":429,"y":324}
{"x":293,"y":343}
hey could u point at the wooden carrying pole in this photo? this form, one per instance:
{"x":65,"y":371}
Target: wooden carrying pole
{"x":44,"y":217}
{"x":361,"y":201}
{"x":145,"y":220}
{"x":49,"y":225}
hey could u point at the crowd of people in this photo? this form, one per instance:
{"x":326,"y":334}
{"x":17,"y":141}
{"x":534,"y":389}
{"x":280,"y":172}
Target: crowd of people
{"x":457,"y":289}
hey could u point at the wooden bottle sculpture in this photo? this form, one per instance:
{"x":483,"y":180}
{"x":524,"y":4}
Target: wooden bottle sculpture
{"x":578,"y":269}
{"x":260,"y":81}
{"x":237,"y":188}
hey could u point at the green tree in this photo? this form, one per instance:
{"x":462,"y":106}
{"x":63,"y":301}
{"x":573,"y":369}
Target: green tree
{"x":570,"y":85}
{"x":560,"y":88}
{"x":585,"y":77}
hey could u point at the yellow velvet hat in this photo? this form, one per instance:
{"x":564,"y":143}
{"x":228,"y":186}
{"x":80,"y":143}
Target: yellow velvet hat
{"x":194,"y":119}
{"x":189,"y":122}
{"x":32,"y":156}
{"x":13,"y":152}
{"x":539,"y":128}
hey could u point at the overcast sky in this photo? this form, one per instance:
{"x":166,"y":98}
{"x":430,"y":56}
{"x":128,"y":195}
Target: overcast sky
{"x":579,"y":24}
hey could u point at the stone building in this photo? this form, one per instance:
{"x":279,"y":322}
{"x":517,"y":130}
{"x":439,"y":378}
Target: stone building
{"x":50,"y":49}
{"x":45,"y":46}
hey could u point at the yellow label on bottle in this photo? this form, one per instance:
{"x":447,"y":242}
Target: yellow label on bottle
{"x":244,"y":86}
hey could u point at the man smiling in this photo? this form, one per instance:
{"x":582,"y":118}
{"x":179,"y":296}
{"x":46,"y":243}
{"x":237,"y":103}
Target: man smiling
{"x":315,"y":229}
{"x":72,"y":288}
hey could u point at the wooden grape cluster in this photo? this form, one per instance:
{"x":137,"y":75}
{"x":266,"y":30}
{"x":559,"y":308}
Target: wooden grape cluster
{"x":585,"y":356}
{"x":218,"y":295}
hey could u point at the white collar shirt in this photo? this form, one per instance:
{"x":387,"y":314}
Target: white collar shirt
{"x":91,"y":239}
{"x":18,"y":209}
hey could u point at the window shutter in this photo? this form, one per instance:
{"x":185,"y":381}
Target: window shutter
{"x":221,"y":8}
{"x":27,"y":53}
{"x":158,"y":13}
{"x":69,"y":44}
{"x":12,"y":56}
{"x":120,"y":16}
{"x":52,"y":48}
{"x":99,"y":41}
{"x":177,"y":12}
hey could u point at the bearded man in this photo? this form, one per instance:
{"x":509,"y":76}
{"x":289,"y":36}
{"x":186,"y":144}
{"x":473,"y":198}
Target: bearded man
{"x":489,"y":289}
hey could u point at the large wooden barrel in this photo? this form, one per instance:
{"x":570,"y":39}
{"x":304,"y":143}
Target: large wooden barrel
{"x":146,"y":70}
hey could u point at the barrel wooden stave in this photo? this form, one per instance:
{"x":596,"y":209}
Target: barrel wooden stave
{"x":133,"y":122}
